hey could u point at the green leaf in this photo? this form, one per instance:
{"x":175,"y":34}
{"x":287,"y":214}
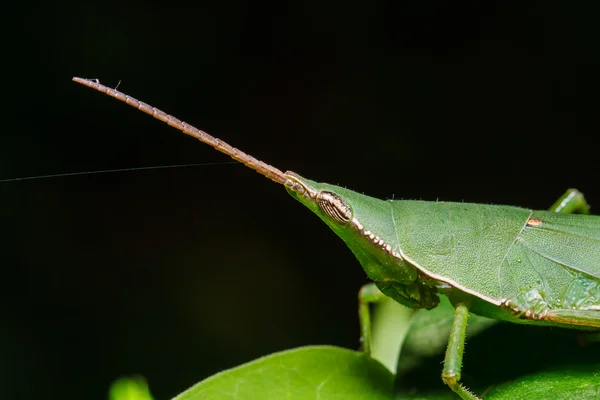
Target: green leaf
{"x":571,"y":382}
{"x":568,"y":383}
{"x":315,"y":372}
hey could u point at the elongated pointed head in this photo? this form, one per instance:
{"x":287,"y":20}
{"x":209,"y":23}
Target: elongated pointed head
{"x":368,"y":227}
{"x":363,"y":222}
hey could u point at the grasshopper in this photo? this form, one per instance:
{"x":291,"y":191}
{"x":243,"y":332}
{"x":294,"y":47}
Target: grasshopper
{"x":502,"y":262}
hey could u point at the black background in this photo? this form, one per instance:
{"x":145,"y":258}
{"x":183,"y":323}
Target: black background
{"x":176,"y":274}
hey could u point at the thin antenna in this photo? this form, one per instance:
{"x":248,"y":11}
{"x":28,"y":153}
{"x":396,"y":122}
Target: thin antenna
{"x":262,"y":168}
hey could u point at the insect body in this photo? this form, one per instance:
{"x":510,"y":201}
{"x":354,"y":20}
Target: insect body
{"x":511,"y":263}
{"x":508,"y":263}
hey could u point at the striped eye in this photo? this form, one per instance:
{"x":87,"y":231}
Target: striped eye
{"x":334,"y":207}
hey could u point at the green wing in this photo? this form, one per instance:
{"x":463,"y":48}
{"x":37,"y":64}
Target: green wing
{"x":554,"y":263}
{"x":572,"y":241}
{"x":494,"y":253}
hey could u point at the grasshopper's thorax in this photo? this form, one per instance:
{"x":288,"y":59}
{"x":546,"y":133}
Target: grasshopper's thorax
{"x":365,"y":224}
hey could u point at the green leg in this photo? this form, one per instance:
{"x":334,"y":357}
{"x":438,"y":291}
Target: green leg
{"x":368,"y":294}
{"x":571,"y":202}
{"x":454,"y":353}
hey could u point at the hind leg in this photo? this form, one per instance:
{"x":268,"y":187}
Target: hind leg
{"x":571,"y":202}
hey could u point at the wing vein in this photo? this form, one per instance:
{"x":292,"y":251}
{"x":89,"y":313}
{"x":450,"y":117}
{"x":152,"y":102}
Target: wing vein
{"x":509,"y":249}
{"x":557,"y":261}
{"x":395,"y":227}
{"x":565,"y":232}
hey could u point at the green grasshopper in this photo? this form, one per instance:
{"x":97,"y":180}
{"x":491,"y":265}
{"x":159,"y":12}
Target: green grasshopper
{"x":501,"y":262}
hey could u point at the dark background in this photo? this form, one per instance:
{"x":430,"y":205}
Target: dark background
{"x":176,"y":274}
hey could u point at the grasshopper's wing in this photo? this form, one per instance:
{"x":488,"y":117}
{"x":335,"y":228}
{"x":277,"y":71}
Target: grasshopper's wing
{"x":572,"y":241}
{"x":553,"y":269}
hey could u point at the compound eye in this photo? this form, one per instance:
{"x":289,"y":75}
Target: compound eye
{"x":334,"y":207}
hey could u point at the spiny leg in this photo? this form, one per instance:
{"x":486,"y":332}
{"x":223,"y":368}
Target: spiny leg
{"x":571,"y":202}
{"x":454,"y":353}
{"x":367,"y":295}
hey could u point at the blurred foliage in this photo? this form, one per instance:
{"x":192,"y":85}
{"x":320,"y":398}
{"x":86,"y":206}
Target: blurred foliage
{"x":130,"y":389}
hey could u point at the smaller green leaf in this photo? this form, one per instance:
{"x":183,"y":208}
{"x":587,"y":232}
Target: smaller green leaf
{"x":567,"y":383}
{"x":134,"y":388}
{"x":315,"y":372}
